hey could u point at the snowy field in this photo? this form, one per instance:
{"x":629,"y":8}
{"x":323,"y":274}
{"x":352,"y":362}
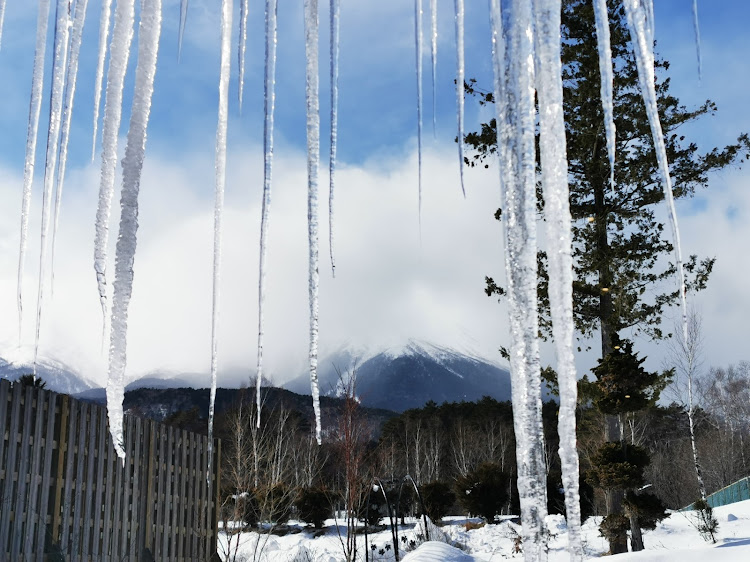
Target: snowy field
{"x":676,"y":538}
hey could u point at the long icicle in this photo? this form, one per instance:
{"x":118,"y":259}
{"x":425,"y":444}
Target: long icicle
{"x":433,"y":56}
{"x":334,"y":14}
{"x":313,"y":165}
{"x":418,"y":52}
{"x":76,"y":37}
{"x":2,"y":19}
{"x":241,"y":47}
{"x":460,"y":78}
{"x":221,"y":177}
{"x":132,"y":166}
{"x":514,"y":101}
{"x":37,"y":84}
{"x":557,"y":213}
{"x":269,"y":98}
{"x":697,"y":30}
{"x":62,"y":26}
{"x":181,"y":31}
{"x":104,"y":18}
{"x":638,"y":14}
{"x":607,"y":77}
{"x":122,"y":38}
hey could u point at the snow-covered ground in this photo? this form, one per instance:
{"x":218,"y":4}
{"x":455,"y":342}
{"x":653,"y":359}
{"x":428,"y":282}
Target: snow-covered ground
{"x":676,"y":538}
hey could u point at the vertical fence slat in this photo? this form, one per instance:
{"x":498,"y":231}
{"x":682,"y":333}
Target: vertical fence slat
{"x":217,"y":497}
{"x":75,"y":407}
{"x":202,"y":484}
{"x":78,"y":520}
{"x":149,"y":505}
{"x":7,"y":476}
{"x":62,"y":449}
{"x":166,"y":553}
{"x":109,"y":467}
{"x":160,"y":476}
{"x":127,"y":514}
{"x":135,"y":522}
{"x":184,"y":476}
{"x":35,"y":515}
{"x":194,"y":494}
{"x":117,"y":511}
{"x":88,"y":516}
{"x":101,"y":453}
{"x":19,"y":514}
{"x":43,"y":526}
{"x":10,"y":470}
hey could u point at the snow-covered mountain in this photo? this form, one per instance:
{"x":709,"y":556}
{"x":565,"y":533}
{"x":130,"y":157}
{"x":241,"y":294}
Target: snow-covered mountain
{"x":58,"y":376}
{"x":408,"y":376}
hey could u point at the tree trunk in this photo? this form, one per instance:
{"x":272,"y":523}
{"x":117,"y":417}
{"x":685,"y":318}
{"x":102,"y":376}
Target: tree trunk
{"x":636,"y":536}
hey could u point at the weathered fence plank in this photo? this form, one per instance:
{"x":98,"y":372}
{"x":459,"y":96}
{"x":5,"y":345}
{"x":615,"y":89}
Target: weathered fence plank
{"x":50,"y":446}
{"x":33,"y":513}
{"x":22,"y":473}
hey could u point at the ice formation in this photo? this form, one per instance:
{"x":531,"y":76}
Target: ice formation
{"x":433,"y":56}
{"x":241,"y":47}
{"x":418,"y":50}
{"x":104,"y":17}
{"x":181,"y":31}
{"x":221,"y":179}
{"x":313,"y":165}
{"x":132,"y":166}
{"x":605,"y":70}
{"x":696,"y":28}
{"x":554,"y":165}
{"x":122,"y":37}
{"x":513,"y":63}
{"x":640,"y":21}
{"x":334,"y":20}
{"x":2,"y":19}
{"x":269,"y":99}
{"x":37,"y":83}
{"x":79,"y":19}
{"x":460,"y":80}
{"x":59,"y":64}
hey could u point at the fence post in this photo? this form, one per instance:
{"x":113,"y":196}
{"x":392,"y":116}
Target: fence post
{"x":62,"y":448}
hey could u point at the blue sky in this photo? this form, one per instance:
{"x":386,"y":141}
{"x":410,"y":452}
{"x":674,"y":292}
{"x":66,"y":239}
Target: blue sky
{"x":389,"y":286}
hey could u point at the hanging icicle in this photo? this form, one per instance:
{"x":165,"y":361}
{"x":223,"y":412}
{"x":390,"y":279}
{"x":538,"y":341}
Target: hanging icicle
{"x":460,"y":81}
{"x":2,"y":19}
{"x":607,"y":76}
{"x":122,"y":37}
{"x":433,"y":56}
{"x":221,"y":173}
{"x":132,"y":166}
{"x":59,"y":64}
{"x":244,"y":9}
{"x":269,"y":97}
{"x":418,"y":50}
{"x":514,"y":101}
{"x":640,"y":21}
{"x":697,"y":30}
{"x":554,"y":165}
{"x":334,"y":14}
{"x":104,"y":18}
{"x":79,"y":19}
{"x":313,"y":165}
{"x":181,"y":31}
{"x":37,"y":84}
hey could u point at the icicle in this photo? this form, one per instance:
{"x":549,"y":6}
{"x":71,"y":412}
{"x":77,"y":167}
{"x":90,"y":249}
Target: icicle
{"x":557,"y":213}
{"x":79,"y":20}
{"x":605,"y":70}
{"x":37,"y":83}
{"x":221,"y":171}
{"x":335,"y":11}
{"x":433,"y":54}
{"x":418,"y":49}
{"x":269,"y":105}
{"x":132,"y":166}
{"x":514,"y":97}
{"x":460,"y":78}
{"x":181,"y":32}
{"x":62,"y":26}
{"x":103,"y":34}
{"x":638,"y":14}
{"x":2,"y":19}
{"x":697,"y":39}
{"x":313,"y":164}
{"x":244,"y":9}
{"x":122,"y":37}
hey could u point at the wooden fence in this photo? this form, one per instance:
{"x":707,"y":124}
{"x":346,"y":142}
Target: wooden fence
{"x":66,"y":496}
